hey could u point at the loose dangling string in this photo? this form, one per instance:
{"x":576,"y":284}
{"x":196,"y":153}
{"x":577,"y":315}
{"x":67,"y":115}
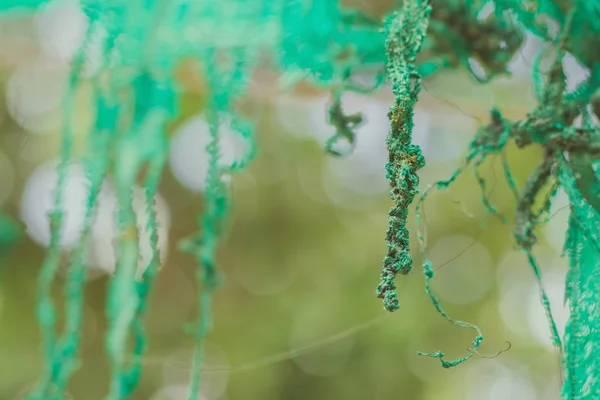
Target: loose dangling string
{"x":59,"y":354}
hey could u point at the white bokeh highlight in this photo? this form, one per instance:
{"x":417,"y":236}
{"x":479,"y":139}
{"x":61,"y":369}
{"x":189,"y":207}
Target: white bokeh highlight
{"x":443,"y":136}
{"x":358,"y":179}
{"x":363,"y":170}
{"x":105,"y":231}
{"x":554,"y":285}
{"x":189,"y":160}
{"x":520,"y":305}
{"x":466,"y":278}
{"x":37,"y":202}
{"x":491,"y":380}
{"x":303,"y":117}
{"x":34,"y":93}
{"x":60,"y":27}
{"x":513,"y":314}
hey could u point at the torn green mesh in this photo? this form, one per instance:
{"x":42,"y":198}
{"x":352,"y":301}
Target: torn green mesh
{"x":136,"y":98}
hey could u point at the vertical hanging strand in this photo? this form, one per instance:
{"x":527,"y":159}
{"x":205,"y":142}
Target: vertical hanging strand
{"x":128,"y":154}
{"x":212,"y":217}
{"x":228,"y":79}
{"x":122,"y":301}
{"x":96,"y":167}
{"x":405,"y":32}
{"x":122,"y":298}
{"x":556,"y":340}
{"x":143,"y":287}
{"x":154,"y":103}
{"x":46,"y":311}
{"x":144,"y":143}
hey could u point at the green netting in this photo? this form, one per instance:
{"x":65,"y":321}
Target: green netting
{"x":137,"y":100}
{"x":581,"y":337}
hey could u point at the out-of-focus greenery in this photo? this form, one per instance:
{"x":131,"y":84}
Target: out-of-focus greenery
{"x":300,"y":267}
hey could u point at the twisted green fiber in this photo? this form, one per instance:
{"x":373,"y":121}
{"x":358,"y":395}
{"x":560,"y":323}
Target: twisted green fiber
{"x":151,"y":97}
{"x":481,"y":182}
{"x":46,"y":311}
{"x":215,"y":210}
{"x":545,"y":209}
{"x":555,"y":336}
{"x":223,"y":85}
{"x":144,"y":286}
{"x":132,"y":295}
{"x":96,"y":169}
{"x":125,"y":304}
{"x":492,"y":139}
{"x":405,"y":32}
{"x":123,"y":299}
{"x":509,"y":177}
{"x":429,"y":274}
{"x":345,"y":125}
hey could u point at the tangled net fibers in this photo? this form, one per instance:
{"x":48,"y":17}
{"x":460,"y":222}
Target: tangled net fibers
{"x":137,"y":99}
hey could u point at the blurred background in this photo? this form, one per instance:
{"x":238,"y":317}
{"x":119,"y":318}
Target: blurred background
{"x":297,"y":316}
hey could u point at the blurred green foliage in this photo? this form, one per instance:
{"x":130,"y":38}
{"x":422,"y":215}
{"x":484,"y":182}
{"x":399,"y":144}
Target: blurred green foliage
{"x":285,"y":228}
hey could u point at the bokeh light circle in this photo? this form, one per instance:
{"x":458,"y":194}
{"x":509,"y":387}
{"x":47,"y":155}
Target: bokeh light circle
{"x":554,"y":285}
{"x":465,"y":272}
{"x":491,"y":380}
{"x":519,"y":303}
{"x":443,"y":139}
{"x":61,"y":26}
{"x":38,"y":200}
{"x":189,"y":160}
{"x":363,"y":170}
{"x":34,"y":93}
{"x":303,"y":117}
{"x":105,"y":231}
